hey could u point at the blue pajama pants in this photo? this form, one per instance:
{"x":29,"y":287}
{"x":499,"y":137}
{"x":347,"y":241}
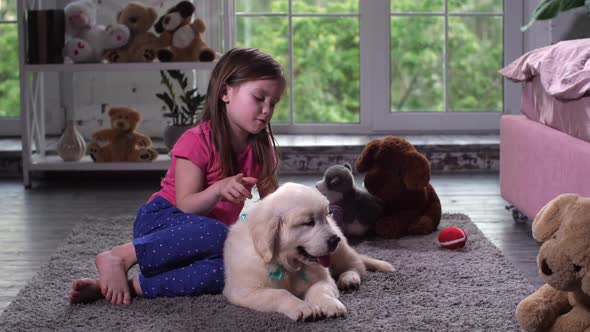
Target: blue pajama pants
{"x":179,"y":254}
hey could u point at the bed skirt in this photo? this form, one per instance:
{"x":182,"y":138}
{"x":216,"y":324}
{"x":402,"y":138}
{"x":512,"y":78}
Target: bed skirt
{"x":537,"y":163}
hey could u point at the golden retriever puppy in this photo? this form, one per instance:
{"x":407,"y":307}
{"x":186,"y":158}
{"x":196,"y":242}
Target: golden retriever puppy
{"x":278,"y":259}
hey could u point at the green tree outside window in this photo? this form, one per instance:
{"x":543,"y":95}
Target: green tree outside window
{"x":9,"y":81}
{"x":326,"y":56}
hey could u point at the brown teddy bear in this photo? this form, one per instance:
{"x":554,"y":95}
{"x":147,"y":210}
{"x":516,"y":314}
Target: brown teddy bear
{"x":142,"y":44}
{"x":121,"y":142}
{"x":181,"y":39}
{"x":563,"y":303}
{"x":399,"y":175}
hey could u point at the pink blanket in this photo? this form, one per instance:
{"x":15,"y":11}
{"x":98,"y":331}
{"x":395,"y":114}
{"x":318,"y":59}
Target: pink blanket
{"x":564,"y":68}
{"x":569,"y":116}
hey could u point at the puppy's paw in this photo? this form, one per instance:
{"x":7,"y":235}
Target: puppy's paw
{"x":305,"y":312}
{"x":332,"y":307}
{"x":349,"y":280}
{"x":387,"y":267}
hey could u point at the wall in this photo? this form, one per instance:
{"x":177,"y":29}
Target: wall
{"x":538,"y":35}
{"x":573,"y":24}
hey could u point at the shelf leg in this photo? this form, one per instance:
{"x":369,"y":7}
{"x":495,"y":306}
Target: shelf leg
{"x":37,"y":109}
{"x":27,"y":182}
{"x":26,"y":135}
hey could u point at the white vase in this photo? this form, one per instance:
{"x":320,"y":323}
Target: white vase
{"x":71,"y":145}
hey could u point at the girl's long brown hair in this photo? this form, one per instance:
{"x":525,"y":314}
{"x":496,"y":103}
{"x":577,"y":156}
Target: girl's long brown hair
{"x":235,"y":67}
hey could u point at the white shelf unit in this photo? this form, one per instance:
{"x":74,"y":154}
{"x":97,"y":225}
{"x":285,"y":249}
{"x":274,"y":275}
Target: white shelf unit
{"x":33,"y":134}
{"x":119,"y":67}
{"x":55,"y":163}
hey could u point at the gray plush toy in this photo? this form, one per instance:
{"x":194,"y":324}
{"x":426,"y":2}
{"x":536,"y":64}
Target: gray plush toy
{"x":355,"y":210}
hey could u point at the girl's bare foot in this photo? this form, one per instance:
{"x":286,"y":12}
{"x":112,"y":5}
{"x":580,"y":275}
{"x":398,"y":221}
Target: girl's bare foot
{"x":112,"y":278}
{"x":85,"y":290}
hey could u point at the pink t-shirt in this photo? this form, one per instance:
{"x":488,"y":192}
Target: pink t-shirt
{"x":196,"y":145}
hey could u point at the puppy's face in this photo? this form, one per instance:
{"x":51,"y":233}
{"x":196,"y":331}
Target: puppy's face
{"x":290,"y":226}
{"x":307,"y":237}
{"x":337,"y":181}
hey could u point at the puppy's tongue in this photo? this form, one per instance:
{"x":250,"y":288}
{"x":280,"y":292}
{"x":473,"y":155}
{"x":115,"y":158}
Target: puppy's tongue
{"x":324,"y":260}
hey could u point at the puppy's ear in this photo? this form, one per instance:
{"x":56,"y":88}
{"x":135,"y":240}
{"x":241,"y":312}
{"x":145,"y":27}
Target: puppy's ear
{"x":264,"y":229}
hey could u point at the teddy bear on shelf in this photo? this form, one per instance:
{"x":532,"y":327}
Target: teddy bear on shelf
{"x":80,"y":15}
{"x":142,"y":45}
{"x":86,"y":41}
{"x":354,"y":209}
{"x":181,"y":39}
{"x":563,"y":303}
{"x":399,"y":175}
{"x":121,"y":142}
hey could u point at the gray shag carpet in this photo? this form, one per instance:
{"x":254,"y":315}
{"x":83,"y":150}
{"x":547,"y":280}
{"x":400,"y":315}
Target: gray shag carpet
{"x":474,"y":288}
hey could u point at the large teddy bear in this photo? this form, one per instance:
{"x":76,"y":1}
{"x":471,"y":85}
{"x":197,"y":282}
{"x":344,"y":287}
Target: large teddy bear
{"x":563,"y":303}
{"x":86,"y":41}
{"x":182,"y":40}
{"x":143,"y":44}
{"x":121,"y":142}
{"x":399,"y":175}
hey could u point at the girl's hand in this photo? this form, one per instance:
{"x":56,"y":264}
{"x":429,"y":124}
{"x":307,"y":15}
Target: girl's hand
{"x":232,"y":188}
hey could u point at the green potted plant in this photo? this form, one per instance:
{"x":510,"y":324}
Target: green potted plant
{"x":182,"y":105}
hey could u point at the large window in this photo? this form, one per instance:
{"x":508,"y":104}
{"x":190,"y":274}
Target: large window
{"x":9,"y":84}
{"x":380,"y":65}
{"x":317,"y":41}
{"x":445,"y":57}
{"x":360,"y":66}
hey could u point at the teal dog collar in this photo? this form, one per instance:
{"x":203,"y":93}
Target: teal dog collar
{"x":277,"y":273}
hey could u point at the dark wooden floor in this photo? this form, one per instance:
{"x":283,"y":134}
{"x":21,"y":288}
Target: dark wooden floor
{"x":34,"y":222}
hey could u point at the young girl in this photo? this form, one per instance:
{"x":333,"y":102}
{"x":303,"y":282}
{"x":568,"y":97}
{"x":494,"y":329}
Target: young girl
{"x":178,"y":235}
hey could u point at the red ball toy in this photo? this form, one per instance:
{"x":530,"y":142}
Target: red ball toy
{"x":452,"y":237}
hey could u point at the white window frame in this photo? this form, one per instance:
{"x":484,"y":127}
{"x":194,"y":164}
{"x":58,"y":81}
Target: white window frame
{"x":10,"y":126}
{"x":375,"y":116}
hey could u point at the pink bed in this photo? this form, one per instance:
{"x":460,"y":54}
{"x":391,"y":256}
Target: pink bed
{"x":547,"y":152}
{"x":538,"y":163}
